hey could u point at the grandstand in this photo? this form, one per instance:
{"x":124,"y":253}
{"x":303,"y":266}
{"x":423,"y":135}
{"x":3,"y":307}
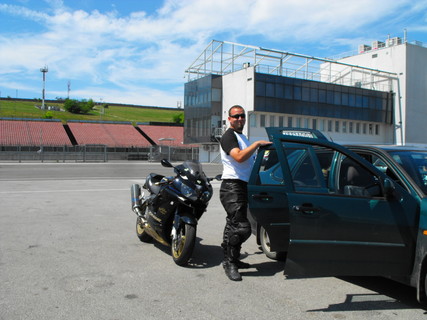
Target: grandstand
{"x":109,"y":134}
{"x":50,"y":140}
{"x":164,"y":135}
{"x":33,"y":133}
{"x":52,"y":133}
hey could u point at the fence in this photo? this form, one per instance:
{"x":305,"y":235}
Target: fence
{"x":95,"y":153}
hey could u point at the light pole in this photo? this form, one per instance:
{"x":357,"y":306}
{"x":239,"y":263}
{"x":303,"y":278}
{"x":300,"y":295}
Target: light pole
{"x":44,"y":71}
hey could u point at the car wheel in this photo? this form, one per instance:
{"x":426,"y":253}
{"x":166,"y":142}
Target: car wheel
{"x":265,"y":246}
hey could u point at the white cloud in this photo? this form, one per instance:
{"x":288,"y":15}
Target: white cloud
{"x":142,"y":51}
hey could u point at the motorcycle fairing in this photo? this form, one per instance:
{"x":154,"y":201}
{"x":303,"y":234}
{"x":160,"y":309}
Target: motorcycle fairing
{"x":151,"y":183}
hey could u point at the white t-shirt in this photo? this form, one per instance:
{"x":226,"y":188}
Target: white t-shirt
{"x":231,"y":168}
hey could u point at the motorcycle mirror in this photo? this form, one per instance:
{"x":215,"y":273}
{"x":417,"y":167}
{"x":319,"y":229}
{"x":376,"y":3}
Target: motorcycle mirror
{"x":166,"y":163}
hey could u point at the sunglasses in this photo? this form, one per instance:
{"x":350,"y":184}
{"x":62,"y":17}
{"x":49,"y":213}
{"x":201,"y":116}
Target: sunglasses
{"x":237,"y":116}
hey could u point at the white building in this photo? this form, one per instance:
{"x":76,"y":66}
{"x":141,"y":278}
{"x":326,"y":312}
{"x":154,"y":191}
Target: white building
{"x":409,"y":62}
{"x":351,"y":100}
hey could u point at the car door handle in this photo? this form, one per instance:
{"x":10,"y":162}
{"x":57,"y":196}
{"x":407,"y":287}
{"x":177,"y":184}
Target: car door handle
{"x":306,"y":209}
{"x":262,"y":196}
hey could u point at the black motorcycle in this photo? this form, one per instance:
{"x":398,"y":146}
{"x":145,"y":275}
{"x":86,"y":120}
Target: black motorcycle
{"x":170,"y":212}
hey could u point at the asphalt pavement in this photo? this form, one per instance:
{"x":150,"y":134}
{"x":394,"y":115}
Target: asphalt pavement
{"x":68,"y":250}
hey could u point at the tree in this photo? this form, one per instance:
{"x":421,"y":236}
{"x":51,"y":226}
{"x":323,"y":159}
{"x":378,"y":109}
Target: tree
{"x":48,"y":115}
{"x":82,"y":107}
{"x":178,"y":118}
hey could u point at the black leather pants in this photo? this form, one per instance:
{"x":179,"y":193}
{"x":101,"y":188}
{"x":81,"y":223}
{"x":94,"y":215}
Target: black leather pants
{"x":233,"y":195}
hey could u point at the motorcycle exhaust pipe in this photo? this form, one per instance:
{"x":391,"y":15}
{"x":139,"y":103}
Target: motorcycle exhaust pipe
{"x":135,"y":191}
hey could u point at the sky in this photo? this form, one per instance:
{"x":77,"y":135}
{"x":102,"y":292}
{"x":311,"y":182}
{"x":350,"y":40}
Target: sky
{"x":137,"y":51}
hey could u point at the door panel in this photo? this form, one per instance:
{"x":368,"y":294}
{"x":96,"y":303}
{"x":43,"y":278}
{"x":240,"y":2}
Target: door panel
{"x":353,"y":229}
{"x":269,"y":208}
{"x":268,"y":205}
{"x":349,"y":236}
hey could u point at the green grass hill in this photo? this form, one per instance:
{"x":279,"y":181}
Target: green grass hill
{"x":22,"y":108}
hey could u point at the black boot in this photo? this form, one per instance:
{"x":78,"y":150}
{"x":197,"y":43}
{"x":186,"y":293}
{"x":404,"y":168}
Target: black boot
{"x":235,"y":255}
{"x":231,"y":271}
{"x":242,"y":265}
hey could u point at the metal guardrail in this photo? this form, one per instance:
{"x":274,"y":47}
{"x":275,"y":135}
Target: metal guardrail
{"x":94,"y":153}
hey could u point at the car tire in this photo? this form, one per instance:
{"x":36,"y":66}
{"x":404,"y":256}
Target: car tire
{"x":265,"y":246}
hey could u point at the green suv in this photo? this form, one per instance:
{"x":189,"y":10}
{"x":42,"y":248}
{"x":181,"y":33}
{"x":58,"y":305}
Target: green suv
{"x":334,"y":210}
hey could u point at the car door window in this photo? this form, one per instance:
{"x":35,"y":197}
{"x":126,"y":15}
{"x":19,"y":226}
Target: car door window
{"x":383,"y":166}
{"x":355,"y":180}
{"x":308,"y":167}
{"x":270,"y":170}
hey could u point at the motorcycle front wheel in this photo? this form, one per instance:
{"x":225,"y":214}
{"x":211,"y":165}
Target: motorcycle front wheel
{"x":141,"y":233}
{"x":183,"y":245}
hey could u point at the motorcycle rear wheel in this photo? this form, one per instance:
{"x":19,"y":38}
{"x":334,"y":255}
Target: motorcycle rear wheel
{"x":182,"y":247}
{"x":141,"y":233}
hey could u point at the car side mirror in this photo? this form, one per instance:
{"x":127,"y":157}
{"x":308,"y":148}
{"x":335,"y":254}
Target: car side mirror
{"x":389,"y":187}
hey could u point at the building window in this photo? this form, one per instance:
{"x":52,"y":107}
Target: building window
{"x":269,"y":89}
{"x":271,"y":121}
{"x":337,"y":126}
{"x":260,"y":88}
{"x":290,"y":120}
{"x":329,"y":125}
{"x":281,"y":121}
{"x":306,"y":94}
{"x":344,"y":98}
{"x":314,"y":124}
{"x":289,"y":93}
{"x":322,"y":96}
{"x":313,"y":95}
{"x":298,"y":122}
{"x":377,"y":129}
{"x":216,"y":95}
{"x":322,"y":125}
{"x":370,"y":129}
{"x":357,"y":127}
{"x":252,"y":120}
{"x":262,"y":121}
{"x":344,"y":126}
{"x":350,"y":127}
{"x":306,"y":123}
{"x":337,"y":97}
{"x":297,"y":93}
{"x":364,"y":128}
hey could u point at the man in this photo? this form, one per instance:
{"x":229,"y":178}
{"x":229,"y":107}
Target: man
{"x":238,"y":157}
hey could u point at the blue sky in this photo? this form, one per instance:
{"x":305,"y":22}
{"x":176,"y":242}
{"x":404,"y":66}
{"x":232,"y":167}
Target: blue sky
{"x":136,"y":51}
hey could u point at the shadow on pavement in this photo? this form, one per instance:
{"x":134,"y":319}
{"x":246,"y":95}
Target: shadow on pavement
{"x":388,"y":295}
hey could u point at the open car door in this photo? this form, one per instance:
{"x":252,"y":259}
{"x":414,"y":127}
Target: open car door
{"x":346,"y":217}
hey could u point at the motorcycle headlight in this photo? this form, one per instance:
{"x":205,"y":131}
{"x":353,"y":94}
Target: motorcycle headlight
{"x":188,"y":192}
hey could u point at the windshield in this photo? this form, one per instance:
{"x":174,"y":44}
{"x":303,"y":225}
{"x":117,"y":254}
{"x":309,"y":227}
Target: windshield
{"x":415,"y":164}
{"x":194,"y":168}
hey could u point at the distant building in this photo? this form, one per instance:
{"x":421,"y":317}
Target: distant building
{"x":409,"y":62}
{"x":370,"y":97}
